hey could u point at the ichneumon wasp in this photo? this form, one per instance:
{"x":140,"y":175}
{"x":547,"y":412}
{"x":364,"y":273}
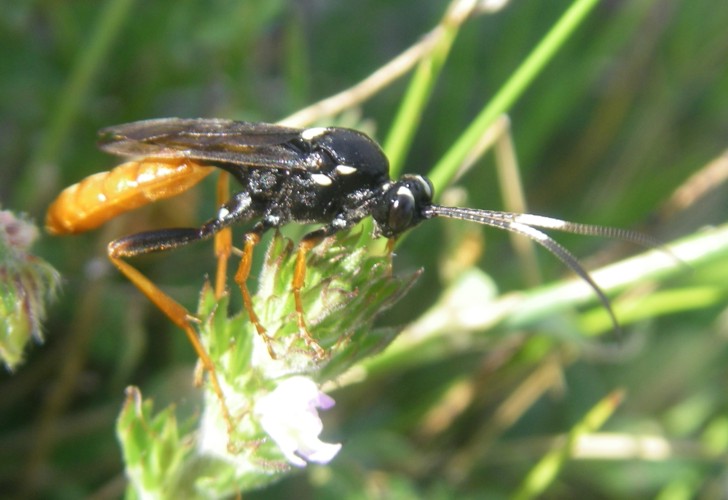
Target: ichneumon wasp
{"x":330,"y":176}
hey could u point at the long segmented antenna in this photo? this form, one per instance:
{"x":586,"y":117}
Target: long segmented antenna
{"x":525,"y":224}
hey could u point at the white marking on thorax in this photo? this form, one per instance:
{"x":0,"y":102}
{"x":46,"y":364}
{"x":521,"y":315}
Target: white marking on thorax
{"x":313,"y":132}
{"x":345,"y":169}
{"x":321,"y":179}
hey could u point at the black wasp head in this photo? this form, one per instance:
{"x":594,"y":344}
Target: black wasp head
{"x":402,"y":205}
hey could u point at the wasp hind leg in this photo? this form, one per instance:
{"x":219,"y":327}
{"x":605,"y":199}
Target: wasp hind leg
{"x":153,"y":241}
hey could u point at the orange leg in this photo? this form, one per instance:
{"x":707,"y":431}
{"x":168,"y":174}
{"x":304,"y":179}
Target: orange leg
{"x":299,"y":276}
{"x":241,"y":278}
{"x":223,"y":238}
{"x":180,"y":317}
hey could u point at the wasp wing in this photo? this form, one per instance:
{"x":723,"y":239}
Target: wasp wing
{"x":247,"y":144}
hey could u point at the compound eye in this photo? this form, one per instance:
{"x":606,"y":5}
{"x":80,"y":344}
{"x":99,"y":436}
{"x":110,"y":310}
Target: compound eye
{"x":402,"y":210}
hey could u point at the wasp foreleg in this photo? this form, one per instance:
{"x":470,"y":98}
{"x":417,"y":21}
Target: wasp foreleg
{"x":299,"y":276}
{"x":252,"y":238}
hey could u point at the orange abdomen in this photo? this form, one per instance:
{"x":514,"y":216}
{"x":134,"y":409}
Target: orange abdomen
{"x":100,"y":197}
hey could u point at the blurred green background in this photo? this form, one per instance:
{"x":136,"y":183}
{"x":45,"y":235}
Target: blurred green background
{"x":634,"y":104}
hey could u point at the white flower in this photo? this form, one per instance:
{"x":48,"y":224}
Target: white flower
{"x":288,"y":414}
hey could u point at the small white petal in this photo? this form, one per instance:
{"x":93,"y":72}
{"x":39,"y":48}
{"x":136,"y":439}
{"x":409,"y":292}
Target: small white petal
{"x":288,"y":415}
{"x":322,"y":453}
{"x":325,"y":401}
